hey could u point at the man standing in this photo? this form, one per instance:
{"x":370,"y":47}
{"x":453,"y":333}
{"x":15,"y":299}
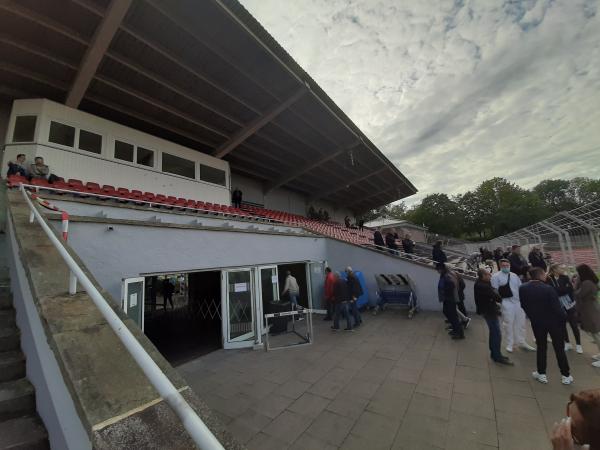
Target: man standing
{"x":487,"y":302}
{"x":378,"y":238}
{"x":547,"y":316}
{"x":507,"y":284}
{"x":518,"y":264}
{"x":408,"y":245}
{"x":292,"y":288}
{"x":329,"y":293}
{"x":437,"y":254}
{"x":536,"y":258}
{"x":448,"y":296}
{"x":236,"y":198}
{"x":341,"y":298}
{"x":355,"y":291}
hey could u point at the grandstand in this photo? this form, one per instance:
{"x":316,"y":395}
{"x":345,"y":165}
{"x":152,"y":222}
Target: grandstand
{"x":149,"y":114}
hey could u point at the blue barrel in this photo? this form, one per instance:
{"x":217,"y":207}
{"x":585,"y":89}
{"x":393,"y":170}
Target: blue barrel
{"x":363,"y":300}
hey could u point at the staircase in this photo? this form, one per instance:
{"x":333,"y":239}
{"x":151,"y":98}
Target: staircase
{"x":20,"y":427}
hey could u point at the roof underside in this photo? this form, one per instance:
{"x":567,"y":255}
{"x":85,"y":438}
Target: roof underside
{"x":205,"y":75}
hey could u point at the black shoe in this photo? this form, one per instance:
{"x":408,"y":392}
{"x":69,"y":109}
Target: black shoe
{"x":348,"y":329}
{"x":505,"y":361}
{"x":327,"y":318}
{"x":458,"y":336}
{"x":335,"y":329}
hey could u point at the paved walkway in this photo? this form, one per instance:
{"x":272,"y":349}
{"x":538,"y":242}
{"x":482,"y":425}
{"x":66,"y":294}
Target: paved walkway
{"x":394,"y":384}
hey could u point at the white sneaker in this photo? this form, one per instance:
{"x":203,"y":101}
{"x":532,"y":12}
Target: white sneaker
{"x":579,"y":349}
{"x":567,"y":380}
{"x":568,"y":347}
{"x":596,"y":364}
{"x":596,"y":357}
{"x":509,"y":348}
{"x":526,"y":346}
{"x":542,"y":378}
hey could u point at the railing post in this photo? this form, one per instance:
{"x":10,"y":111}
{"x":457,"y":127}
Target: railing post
{"x":31,"y":217}
{"x":72,"y":283}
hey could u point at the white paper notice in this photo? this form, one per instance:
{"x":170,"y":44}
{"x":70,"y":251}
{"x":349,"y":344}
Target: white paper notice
{"x":274,"y":279}
{"x":240,"y":287}
{"x":133,"y":300}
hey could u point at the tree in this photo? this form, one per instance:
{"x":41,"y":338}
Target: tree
{"x":584,"y":190}
{"x":557,"y":195}
{"x":391,"y":211}
{"x":439,"y":213}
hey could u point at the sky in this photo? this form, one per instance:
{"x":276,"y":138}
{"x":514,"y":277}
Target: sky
{"x":457,"y":92}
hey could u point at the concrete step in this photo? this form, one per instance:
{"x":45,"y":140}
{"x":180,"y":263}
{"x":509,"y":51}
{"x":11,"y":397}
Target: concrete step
{"x":23,"y":433}
{"x":17,"y":399}
{"x":5,"y":297}
{"x":10,"y":339}
{"x":12,"y":366}
{"x":7,"y":318}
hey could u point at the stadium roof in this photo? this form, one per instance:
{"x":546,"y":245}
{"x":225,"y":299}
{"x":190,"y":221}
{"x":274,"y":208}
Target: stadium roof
{"x":204,"y":74}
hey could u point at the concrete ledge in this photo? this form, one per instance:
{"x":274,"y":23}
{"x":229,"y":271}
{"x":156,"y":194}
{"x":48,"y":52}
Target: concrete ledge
{"x":116,"y":403}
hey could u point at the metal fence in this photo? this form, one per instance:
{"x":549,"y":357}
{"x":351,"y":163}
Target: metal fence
{"x":569,"y":237}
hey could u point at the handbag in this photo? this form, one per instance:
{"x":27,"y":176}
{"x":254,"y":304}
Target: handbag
{"x":566,"y":302}
{"x":505,"y":291}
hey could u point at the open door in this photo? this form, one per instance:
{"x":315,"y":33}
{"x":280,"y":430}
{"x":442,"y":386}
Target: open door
{"x":239,"y":308}
{"x":268,"y":292}
{"x":316,"y":280}
{"x":132,"y":299}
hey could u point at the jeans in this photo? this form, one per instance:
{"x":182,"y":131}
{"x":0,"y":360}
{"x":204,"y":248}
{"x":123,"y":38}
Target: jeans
{"x":294,"y":298}
{"x":541,"y":331}
{"x":341,"y":309}
{"x":330,"y":308}
{"x":353,"y":307}
{"x":495,"y":340}
{"x":449,"y":309}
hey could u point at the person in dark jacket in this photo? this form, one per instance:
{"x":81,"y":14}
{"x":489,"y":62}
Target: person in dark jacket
{"x":488,"y":304}
{"x":438,"y":254}
{"x":408,"y":244}
{"x":498,"y":256}
{"x":341,"y":298}
{"x":236,"y":198}
{"x":355,"y":291}
{"x":378,"y":238}
{"x":18,"y":167}
{"x":448,"y":296}
{"x":541,"y":304}
{"x":463,"y":316}
{"x":536,"y":258}
{"x":390,"y":241}
{"x":518,"y":264}
{"x":564,"y":289}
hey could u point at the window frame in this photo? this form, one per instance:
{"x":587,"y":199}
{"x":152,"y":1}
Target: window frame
{"x":75,"y":145}
{"x":154,"y":158}
{"x":102,"y":140}
{"x":124,"y":141}
{"x":35,"y":128}
{"x":194,"y":163}
{"x":200,"y":164}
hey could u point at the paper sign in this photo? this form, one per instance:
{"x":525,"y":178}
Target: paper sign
{"x":240,"y":287}
{"x":132,"y":300}
{"x":274,"y":279}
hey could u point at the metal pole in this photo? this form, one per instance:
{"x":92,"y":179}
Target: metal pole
{"x":591,"y":230}
{"x":559,"y":233}
{"x":72,"y":283}
{"x":197,"y":430}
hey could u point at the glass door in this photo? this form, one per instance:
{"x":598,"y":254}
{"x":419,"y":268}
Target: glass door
{"x":316,"y":279}
{"x":268,"y":293}
{"x":132,"y":299}
{"x":239,"y":308}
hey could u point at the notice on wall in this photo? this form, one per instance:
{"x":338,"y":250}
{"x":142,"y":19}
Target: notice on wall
{"x":274,"y":279}
{"x":133,"y":300}
{"x":240,"y":287}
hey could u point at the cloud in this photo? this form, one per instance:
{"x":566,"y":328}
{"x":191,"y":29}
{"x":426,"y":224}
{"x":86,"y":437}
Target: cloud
{"x":455,"y":92}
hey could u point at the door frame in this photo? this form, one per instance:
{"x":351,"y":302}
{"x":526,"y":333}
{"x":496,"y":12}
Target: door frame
{"x":261,"y":326}
{"x":227,"y":344}
{"x":124,"y":303}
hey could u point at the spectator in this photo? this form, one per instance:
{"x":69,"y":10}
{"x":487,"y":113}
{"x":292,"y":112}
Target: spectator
{"x":536,"y":258}
{"x":448,"y":296}
{"x":19,"y":167}
{"x":518,"y":264}
{"x":39,"y":169}
{"x":355,"y":291}
{"x":498,"y":256}
{"x":360,"y":223}
{"x":341,"y":298}
{"x":564,"y":289}
{"x":329,"y":291}
{"x":378,"y":238}
{"x":460,"y":304}
{"x":292,"y":288}
{"x":488,"y":304}
{"x":312,"y":214}
{"x":168,"y":289}
{"x":513,"y":318}
{"x":507,"y":253}
{"x":390,"y":241}
{"x":408,"y":244}
{"x":541,"y":304}
{"x":347,"y":222}
{"x":586,"y":302}
{"x":236,"y":198}
{"x":325,"y":216}
{"x":582,"y":424}
{"x":438,"y":254}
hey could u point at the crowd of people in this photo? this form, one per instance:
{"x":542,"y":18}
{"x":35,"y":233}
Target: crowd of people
{"x":321,"y":214}
{"x":341,"y":296}
{"x":393,"y":242}
{"x":37,"y":170}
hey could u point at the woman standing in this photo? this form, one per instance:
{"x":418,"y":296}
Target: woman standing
{"x":563,"y":287}
{"x":586,"y":301}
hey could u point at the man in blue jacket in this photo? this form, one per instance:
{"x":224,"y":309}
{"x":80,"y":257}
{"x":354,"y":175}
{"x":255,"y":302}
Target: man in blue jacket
{"x":541,"y":304}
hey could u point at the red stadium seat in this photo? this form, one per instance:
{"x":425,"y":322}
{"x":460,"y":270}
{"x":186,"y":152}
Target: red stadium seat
{"x":93,"y":188}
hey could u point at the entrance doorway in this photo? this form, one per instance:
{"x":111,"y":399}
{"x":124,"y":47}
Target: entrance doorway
{"x":183,"y":314}
{"x":298,"y":271}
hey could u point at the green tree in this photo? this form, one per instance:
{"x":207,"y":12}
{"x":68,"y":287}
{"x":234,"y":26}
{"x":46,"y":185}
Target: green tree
{"x":557,"y":195}
{"x":584,"y":190}
{"x":439,"y":213}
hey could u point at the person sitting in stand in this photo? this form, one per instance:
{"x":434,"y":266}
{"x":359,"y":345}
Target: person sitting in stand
{"x":437,"y":254}
{"x":18,"y":167}
{"x":378,"y":238}
{"x":39,"y":170}
{"x":408,"y":244}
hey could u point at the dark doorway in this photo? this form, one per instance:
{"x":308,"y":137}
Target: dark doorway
{"x":299,"y":272}
{"x":189,"y":326}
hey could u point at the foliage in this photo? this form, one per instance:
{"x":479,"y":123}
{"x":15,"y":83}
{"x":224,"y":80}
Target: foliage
{"x":391,"y":211}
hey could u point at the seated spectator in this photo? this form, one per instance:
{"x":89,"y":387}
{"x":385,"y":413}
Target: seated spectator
{"x":19,"y":167}
{"x":408,"y":244}
{"x":581,"y":427}
{"x":41,"y":171}
{"x":378,"y":238}
{"x":347,"y":222}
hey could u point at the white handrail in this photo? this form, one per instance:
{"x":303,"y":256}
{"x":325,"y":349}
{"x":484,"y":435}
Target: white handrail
{"x":196,"y":428}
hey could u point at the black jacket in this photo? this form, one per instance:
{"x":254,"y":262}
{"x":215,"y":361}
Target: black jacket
{"x":541,"y":304}
{"x":390,"y":241}
{"x":487,"y":300}
{"x":447,"y":289}
{"x":408,"y":245}
{"x":518,"y":264}
{"x":562,"y":285}
{"x":537,"y":260}
{"x":354,"y":288}
{"x":378,"y":239}
{"x":340,"y":291}
{"x":438,"y":255}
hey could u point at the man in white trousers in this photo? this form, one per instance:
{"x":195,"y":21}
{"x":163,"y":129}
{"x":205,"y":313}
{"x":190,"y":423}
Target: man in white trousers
{"x":513,"y":317}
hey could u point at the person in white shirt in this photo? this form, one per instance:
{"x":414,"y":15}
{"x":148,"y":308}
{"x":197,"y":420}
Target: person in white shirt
{"x":292,"y":288}
{"x":513,"y":317}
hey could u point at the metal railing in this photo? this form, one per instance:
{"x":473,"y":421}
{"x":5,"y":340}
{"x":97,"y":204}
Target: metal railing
{"x":196,"y":428}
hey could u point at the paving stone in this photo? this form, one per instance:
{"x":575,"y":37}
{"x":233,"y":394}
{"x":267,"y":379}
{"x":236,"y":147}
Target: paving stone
{"x":288,"y":426}
{"x":326,"y":388}
{"x":253,"y":419}
{"x":292,"y":388}
{"x":241,"y":431}
{"x":375,"y":428}
{"x":262,"y":441}
{"x":424,"y":431}
{"x":331,"y":428}
{"x":472,"y":428}
{"x":354,"y":442}
{"x":272,"y":405}
{"x":435,"y":388}
{"x":471,"y":404}
{"x":426,"y":405}
{"x":347,"y":406}
{"x":307,"y":442}
{"x":309,"y":405}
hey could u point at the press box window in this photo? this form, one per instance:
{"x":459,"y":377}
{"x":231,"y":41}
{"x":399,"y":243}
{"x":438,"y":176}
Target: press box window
{"x":212,"y":175}
{"x":61,"y":134}
{"x":123,"y":151}
{"x":90,"y":142}
{"x":178,"y":166}
{"x":24,"y":129}
{"x":145,"y":157}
